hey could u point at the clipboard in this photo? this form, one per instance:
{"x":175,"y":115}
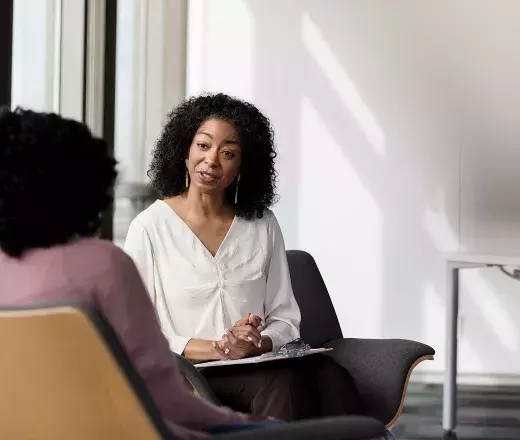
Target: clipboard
{"x":266,"y":357}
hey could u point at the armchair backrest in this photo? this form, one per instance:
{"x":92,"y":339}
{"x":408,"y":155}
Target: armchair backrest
{"x":319,"y":320}
{"x":64,"y":375}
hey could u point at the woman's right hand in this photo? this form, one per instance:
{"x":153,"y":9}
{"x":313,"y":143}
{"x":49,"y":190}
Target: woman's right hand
{"x":205,"y":350}
{"x":219,"y":351}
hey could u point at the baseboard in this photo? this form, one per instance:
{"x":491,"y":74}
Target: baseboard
{"x":434,"y":377}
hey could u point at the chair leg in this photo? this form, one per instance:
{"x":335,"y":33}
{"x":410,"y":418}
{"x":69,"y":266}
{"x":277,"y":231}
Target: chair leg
{"x":388,"y":435}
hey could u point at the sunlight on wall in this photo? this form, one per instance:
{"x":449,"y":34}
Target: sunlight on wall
{"x":340,"y":224}
{"x":220,"y":56}
{"x":482,"y":308}
{"x":433,"y":307}
{"x":487,"y":299}
{"x":437,"y":225}
{"x":332,"y":68}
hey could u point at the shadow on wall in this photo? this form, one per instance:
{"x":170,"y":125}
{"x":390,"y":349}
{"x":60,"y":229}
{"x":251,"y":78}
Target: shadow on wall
{"x":371,"y":118}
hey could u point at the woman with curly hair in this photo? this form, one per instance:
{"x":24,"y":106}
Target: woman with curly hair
{"x":55,"y":181}
{"x":212,"y":256}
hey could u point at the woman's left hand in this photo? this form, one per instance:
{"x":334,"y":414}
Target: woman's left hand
{"x":247,"y":333}
{"x":234,"y":347}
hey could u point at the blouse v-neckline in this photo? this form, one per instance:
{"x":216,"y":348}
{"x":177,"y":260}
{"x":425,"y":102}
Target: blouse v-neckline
{"x":196,"y":237}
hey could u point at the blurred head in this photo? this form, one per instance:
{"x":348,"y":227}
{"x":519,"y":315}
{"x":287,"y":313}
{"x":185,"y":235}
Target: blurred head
{"x":55,"y":181}
{"x":218,"y":140}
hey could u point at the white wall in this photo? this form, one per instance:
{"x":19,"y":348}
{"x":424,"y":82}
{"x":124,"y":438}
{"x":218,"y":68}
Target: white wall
{"x":398,"y":140}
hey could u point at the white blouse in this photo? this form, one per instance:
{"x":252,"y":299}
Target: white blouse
{"x":198,"y":295}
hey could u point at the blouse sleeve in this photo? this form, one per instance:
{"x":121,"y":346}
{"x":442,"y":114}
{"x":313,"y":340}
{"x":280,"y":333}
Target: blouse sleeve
{"x":282,"y":314}
{"x":139,"y":247}
{"x":121,"y":297}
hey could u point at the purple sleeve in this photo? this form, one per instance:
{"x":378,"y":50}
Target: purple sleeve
{"x":123,"y":300}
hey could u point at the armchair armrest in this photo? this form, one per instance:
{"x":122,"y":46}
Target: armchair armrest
{"x":196,"y":379}
{"x":381,"y":369}
{"x":335,"y":428}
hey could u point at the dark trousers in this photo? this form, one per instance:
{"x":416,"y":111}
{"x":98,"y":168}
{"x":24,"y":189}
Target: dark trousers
{"x":292,"y":389}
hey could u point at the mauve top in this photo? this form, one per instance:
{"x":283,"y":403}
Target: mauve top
{"x":99,"y":274}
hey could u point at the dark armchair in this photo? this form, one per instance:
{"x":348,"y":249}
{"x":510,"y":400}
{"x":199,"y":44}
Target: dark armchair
{"x":380,"y":367}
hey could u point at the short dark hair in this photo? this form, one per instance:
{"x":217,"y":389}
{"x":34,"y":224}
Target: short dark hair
{"x":55,"y":180}
{"x":257,"y":189}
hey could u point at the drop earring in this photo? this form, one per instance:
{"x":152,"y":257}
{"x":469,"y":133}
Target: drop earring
{"x":236,"y":190}
{"x":187,"y":179}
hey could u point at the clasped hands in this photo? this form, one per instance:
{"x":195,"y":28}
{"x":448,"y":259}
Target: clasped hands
{"x":240,"y":341}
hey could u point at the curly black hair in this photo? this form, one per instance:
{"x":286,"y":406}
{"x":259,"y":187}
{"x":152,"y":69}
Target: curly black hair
{"x":55,"y":180}
{"x":257,"y":190}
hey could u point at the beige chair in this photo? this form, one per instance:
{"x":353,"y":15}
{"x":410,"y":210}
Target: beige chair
{"x":64,"y":376}
{"x":60,"y":380}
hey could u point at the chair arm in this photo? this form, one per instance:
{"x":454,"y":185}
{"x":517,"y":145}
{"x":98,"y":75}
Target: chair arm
{"x":381,"y":369}
{"x":196,"y":379}
{"x":336,"y":428}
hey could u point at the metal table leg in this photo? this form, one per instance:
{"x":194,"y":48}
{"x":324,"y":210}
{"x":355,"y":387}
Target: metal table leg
{"x":449,"y":414}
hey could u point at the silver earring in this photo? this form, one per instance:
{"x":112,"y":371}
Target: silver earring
{"x":236,"y":190}
{"x":187,"y":179}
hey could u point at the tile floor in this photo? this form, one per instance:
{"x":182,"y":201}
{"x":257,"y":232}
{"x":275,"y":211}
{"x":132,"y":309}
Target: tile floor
{"x":491,"y":413}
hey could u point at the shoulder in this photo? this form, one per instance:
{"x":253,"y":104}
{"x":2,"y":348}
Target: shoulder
{"x":267,"y":226}
{"x":151,"y":224}
{"x":152,"y":215}
{"x":96,"y":249}
{"x":271,"y":222}
{"x":95,"y":256}
{"x":265,"y":221}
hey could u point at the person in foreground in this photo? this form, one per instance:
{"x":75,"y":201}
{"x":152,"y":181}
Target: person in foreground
{"x":212,"y":256}
{"x":55,"y":181}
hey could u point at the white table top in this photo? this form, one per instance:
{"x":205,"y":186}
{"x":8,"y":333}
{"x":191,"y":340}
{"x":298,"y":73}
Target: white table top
{"x":484,"y":260}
